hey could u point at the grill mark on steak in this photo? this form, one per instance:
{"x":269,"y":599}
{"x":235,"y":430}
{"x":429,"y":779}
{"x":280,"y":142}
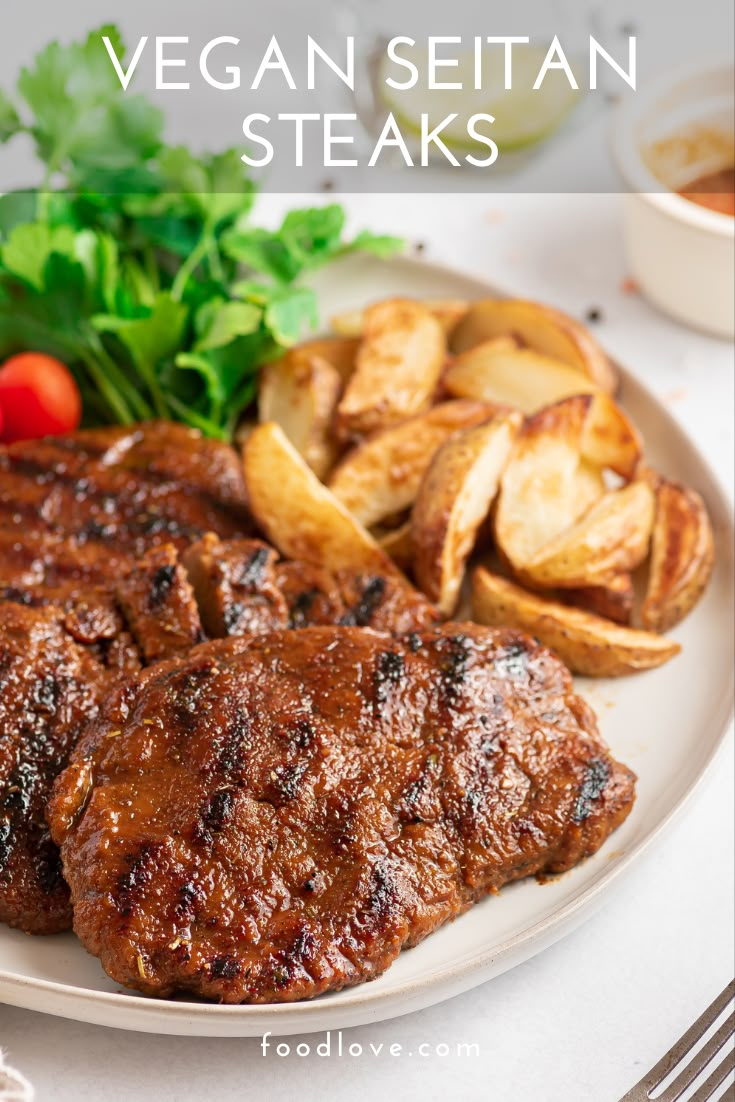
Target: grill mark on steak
{"x":361,"y":613}
{"x":225,"y":967}
{"x":213,"y":816}
{"x":51,"y":687}
{"x":98,"y":496}
{"x":139,"y":873}
{"x":19,"y":596}
{"x":596,"y":778}
{"x":235,"y":586}
{"x":457,"y":651}
{"x":299,"y":613}
{"x":159,"y":606}
{"x":389,"y":672}
{"x":286,"y":782}
{"x":235,"y":744}
{"x":161,"y":584}
{"x":310,"y":835}
{"x":76,"y":514}
{"x":253,"y":569}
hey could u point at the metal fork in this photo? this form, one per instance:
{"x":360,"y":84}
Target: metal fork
{"x":689,"y":1068}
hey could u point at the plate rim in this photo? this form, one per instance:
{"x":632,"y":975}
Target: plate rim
{"x":360,"y":1004}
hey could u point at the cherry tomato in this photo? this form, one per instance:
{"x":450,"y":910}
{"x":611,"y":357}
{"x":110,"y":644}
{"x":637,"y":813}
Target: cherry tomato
{"x":38,"y":397}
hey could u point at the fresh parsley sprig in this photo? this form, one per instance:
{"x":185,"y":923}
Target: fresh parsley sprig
{"x":137,"y":263}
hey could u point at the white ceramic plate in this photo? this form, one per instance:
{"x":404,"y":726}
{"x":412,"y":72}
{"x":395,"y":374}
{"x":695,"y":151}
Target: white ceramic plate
{"x":667,"y":724}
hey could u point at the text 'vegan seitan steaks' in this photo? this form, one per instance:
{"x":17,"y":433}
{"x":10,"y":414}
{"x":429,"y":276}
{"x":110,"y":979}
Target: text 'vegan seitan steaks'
{"x":76,"y":514}
{"x":278,"y":816}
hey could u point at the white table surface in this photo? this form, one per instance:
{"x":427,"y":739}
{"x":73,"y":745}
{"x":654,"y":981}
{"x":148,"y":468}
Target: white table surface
{"x":584,"y":1020}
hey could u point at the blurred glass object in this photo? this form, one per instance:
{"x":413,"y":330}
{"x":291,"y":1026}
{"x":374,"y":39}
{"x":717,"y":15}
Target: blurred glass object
{"x":524,"y":118}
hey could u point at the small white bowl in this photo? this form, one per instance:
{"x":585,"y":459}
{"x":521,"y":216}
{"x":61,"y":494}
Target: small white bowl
{"x":681,"y":254}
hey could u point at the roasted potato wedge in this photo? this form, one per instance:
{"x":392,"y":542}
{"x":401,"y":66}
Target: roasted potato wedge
{"x":300,"y":392}
{"x":609,"y":439}
{"x":447,"y":311}
{"x":453,"y":500}
{"x":340,"y":352}
{"x":244,"y":429}
{"x":546,"y":485}
{"x":541,"y":328}
{"x":398,"y":366}
{"x":381,"y":476}
{"x":612,"y":537}
{"x":613,"y":599}
{"x":348,"y":324}
{"x":497,"y":370}
{"x":682,"y":554}
{"x":298,"y":514}
{"x":588,"y":644}
{"x":397,"y":543}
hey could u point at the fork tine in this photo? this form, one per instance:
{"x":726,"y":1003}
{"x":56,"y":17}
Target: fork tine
{"x":699,"y":1062}
{"x":675,"y":1055}
{"x":716,"y":1079}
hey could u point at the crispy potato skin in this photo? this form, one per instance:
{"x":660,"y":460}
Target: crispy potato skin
{"x":396,"y":425}
{"x":588,"y":644}
{"x":447,"y":311}
{"x":682,"y":556}
{"x":612,"y":599}
{"x":397,"y":543}
{"x":299,"y":515}
{"x":546,"y":485}
{"x":454,"y":499}
{"x":381,"y":475}
{"x":541,"y":328}
{"x":609,"y":439}
{"x":339,"y":352}
{"x":497,"y":370}
{"x":399,"y":363}
{"x":300,"y":392}
{"x":612,"y":537}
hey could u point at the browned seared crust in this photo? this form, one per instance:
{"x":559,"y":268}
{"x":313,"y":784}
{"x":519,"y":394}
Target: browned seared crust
{"x":158,"y":604}
{"x":275,"y":817}
{"x":316,"y":597}
{"x":235,"y":586}
{"x":76,"y":514}
{"x":311,"y":593}
{"x":49,"y":687}
{"x":77,"y":510}
{"x":383,"y":604}
{"x":242,"y":589}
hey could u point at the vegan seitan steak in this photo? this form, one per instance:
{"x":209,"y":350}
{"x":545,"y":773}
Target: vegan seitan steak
{"x":274,"y":817}
{"x":77,"y":513}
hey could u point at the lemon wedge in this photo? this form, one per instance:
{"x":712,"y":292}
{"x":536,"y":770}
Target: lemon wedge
{"x":522,"y":116}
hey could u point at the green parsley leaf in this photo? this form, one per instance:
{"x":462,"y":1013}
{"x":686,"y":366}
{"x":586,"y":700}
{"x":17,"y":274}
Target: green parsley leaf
{"x":16,"y":207}
{"x":150,"y":338}
{"x":81,"y":118}
{"x":30,"y":245}
{"x":142,"y":270}
{"x":10,"y":123}
{"x":290,"y":312}
{"x":220,"y":323}
{"x":380,"y":245}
